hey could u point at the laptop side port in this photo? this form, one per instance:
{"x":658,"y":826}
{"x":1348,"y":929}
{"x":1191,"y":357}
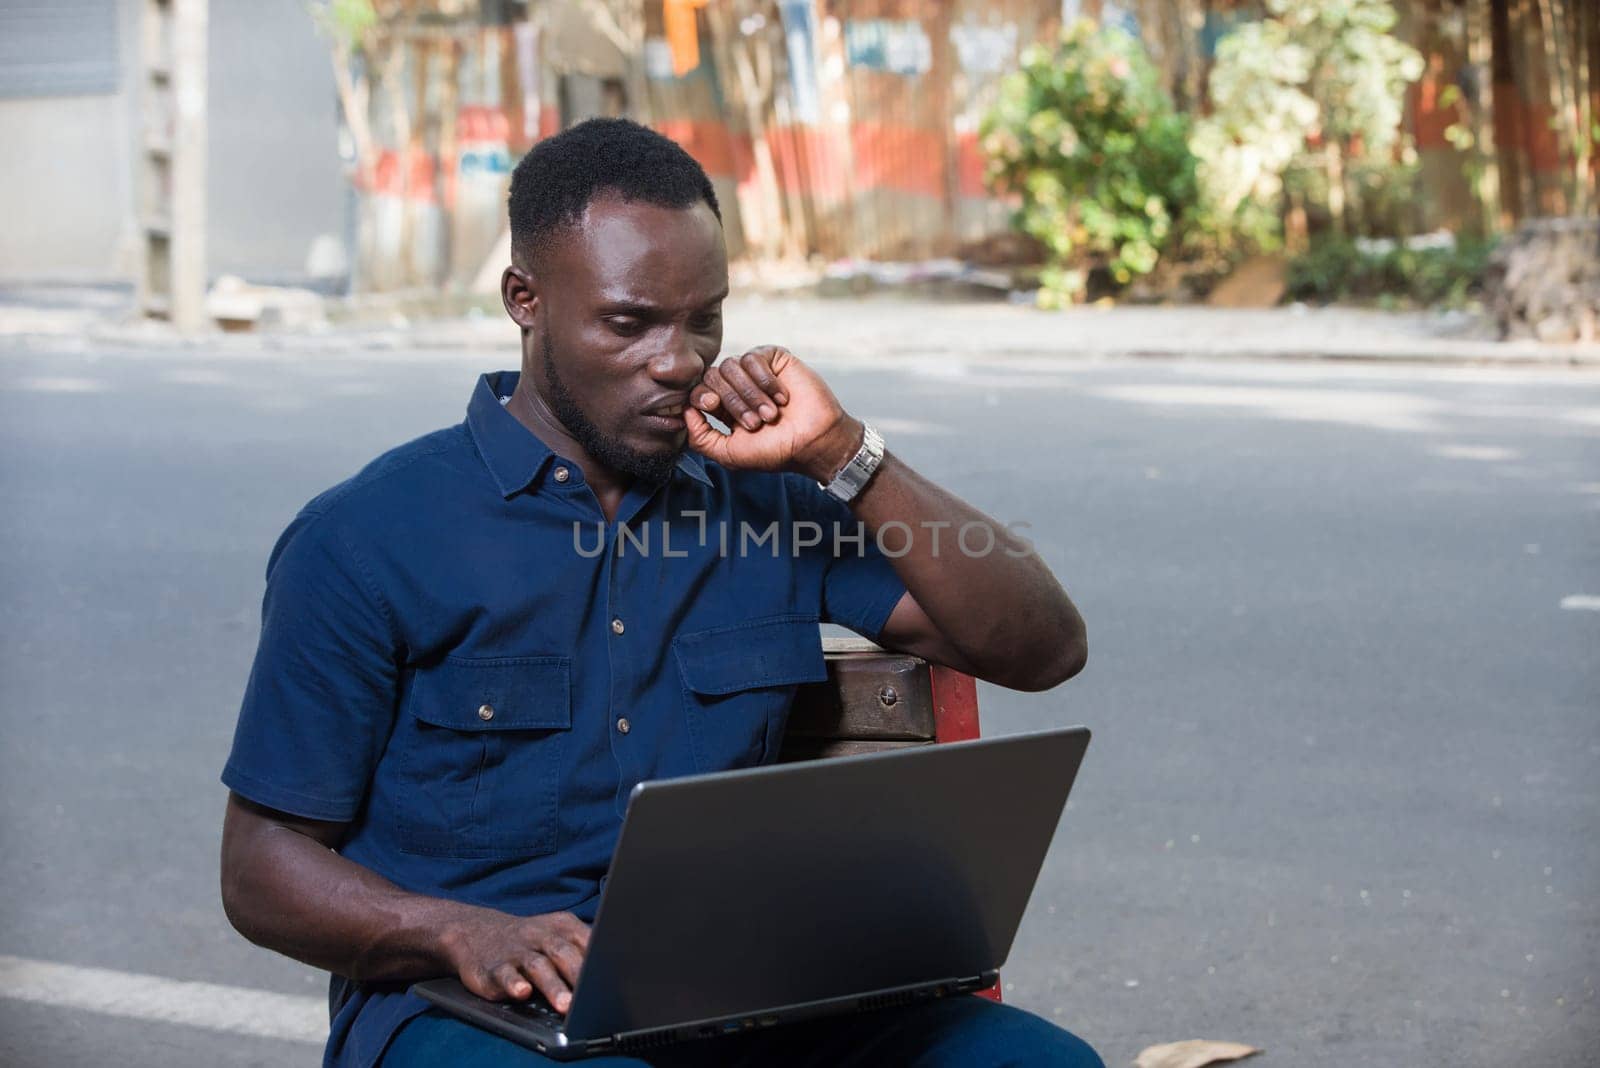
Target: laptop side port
{"x":641,"y":1042}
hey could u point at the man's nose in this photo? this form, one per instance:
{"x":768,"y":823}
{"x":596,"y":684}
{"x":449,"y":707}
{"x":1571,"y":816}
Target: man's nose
{"x":678,"y":364}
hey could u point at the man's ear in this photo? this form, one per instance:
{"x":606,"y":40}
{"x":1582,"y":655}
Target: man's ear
{"x":520,"y":296}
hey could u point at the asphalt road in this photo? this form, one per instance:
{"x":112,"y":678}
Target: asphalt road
{"x":1343,"y":795}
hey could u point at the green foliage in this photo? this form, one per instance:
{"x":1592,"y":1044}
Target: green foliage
{"x":1256,"y":130}
{"x":1380,"y":195}
{"x":1359,"y":71}
{"x":1297,"y":97}
{"x":1089,"y":141}
{"x":343,"y":20}
{"x":1336,"y":268}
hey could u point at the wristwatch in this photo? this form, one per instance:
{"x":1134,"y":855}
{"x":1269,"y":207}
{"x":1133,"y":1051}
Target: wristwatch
{"x":855,"y":474}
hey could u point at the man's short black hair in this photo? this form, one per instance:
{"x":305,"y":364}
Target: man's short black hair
{"x":555,"y":181}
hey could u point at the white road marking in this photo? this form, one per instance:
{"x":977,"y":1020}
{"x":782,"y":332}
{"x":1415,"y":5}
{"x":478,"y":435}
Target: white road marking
{"x":907,"y":426}
{"x":1473,"y":452}
{"x":235,"y":1009}
{"x":60,"y":384}
{"x":1366,"y":408}
{"x":197,"y":376}
{"x":1580,"y":602}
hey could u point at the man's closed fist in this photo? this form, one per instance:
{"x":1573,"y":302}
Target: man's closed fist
{"x":783,"y":416}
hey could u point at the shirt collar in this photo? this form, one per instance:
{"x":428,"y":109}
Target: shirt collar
{"x":514,"y":454}
{"x":693,"y":464}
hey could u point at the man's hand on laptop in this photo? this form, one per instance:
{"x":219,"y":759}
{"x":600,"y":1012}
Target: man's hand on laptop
{"x":502,"y":957}
{"x":783,"y":416}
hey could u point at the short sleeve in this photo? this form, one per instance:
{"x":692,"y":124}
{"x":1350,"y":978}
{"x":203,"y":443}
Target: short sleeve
{"x":859,"y":585}
{"x":319,"y":704}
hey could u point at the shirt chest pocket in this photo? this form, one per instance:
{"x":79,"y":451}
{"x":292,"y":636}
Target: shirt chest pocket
{"x":484,"y":741}
{"x":738,"y":682}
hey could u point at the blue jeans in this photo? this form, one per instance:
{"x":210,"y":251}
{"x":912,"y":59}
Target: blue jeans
{"x":956,"y":1032}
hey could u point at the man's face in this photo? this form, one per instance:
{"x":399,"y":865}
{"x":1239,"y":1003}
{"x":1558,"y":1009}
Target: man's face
{"x":630,"y":318}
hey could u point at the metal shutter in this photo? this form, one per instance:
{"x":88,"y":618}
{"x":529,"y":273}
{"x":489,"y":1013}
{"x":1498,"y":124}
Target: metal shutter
{"x":58,"y":47}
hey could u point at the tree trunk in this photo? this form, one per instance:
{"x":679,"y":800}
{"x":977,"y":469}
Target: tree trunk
{"x":622,"y":22}
{"x":1563,"y":103}
{"x":449,"y":166}
{"x":793,"y":230}
{"x":1516,"y":181}
{"x":1486,"y":179}
{"x":1296,"y":231}
{"x":353,"y":100}
{"x":1334,"y":165}
{"x":413,"y":148}
{"x":763,"y":212}
{"x":1581,"y":26}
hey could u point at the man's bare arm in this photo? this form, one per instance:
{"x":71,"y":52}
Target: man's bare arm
{"x":994,"y":611}
{"x":284,"y":888}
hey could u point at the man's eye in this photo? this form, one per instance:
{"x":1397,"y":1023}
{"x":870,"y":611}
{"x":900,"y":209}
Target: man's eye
{"x":626,"y":325}
{"x":705,"y":322}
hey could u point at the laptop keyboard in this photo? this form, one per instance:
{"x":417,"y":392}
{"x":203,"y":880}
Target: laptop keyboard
{"x":535,"y":1010}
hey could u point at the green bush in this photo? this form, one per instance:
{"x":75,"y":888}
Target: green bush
{"x":1085,"y":136}
{"x":1336,"y":269}
{"x":1309,"y":100}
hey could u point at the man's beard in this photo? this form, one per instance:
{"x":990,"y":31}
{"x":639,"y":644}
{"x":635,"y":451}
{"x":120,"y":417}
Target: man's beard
{"x":649,"y":466}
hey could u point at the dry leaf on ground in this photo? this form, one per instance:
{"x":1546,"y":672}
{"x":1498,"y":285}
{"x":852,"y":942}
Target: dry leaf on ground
{"x":1193,"y":1053}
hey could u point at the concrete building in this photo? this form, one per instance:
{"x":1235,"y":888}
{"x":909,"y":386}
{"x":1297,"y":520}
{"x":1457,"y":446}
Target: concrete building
{"x":72,"y":124}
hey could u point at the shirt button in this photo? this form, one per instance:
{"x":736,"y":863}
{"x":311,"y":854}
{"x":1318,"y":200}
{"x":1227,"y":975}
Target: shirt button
{"x":617,"y":627}
{"x":623,"y":726}
{"x":486,"y":712}
{"x":562,"y":474}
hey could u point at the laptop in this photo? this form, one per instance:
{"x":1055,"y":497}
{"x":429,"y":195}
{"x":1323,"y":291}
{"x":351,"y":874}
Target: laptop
{"x":760,"y":897}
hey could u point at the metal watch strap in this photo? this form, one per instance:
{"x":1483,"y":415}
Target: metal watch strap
{"x":855,"y":474}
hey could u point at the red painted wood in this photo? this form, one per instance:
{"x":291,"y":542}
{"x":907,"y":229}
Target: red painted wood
{"x":955,"y":705}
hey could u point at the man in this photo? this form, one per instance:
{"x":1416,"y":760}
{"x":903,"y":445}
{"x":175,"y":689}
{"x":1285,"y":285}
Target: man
{"x":472,"y":651}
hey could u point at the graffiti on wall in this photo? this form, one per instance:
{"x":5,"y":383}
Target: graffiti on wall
{"x":895,"y":46}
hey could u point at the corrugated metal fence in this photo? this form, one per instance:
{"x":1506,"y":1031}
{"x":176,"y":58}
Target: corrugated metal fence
{"x":847,"y":127}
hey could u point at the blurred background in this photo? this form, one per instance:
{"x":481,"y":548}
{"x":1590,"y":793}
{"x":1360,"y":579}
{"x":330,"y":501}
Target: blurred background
{"x":1275,"y":320}
{"x":1080,"y":150}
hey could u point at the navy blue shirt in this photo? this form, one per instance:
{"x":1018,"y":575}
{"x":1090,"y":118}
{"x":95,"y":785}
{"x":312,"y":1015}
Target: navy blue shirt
{"x":463,"y":660}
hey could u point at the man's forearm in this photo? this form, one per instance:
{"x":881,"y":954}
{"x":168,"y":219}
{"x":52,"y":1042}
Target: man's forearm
{"x":288,"y":892}
{"x":984,"y":588}
{"x":284,"y":888}
{"x":989,"y":607}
